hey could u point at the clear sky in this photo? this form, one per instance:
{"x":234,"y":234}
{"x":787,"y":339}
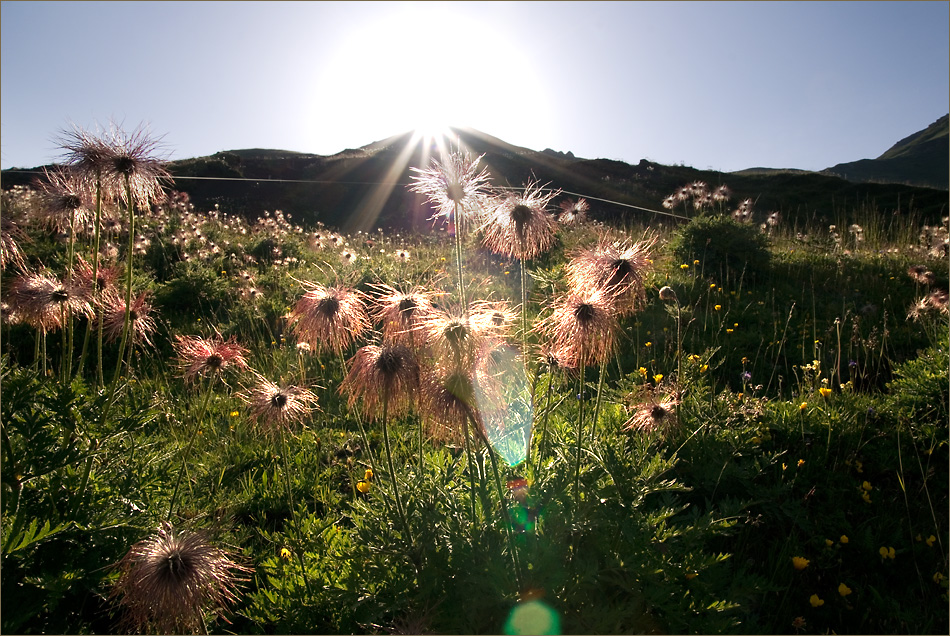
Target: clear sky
{"x":721,"y":85}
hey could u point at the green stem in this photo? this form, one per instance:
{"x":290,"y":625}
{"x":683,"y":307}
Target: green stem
{"x":580,"y":424}
{"x":544,"y":422}
{"x":392,"y":469}
{"x":184,"y":457}
{"x":96,"y":291}
{"x":471,"y":468}
{"x":293,"y":510}
{"x":600,"y":387}
{"x":524,"y":312}
{"x":458,"y":258}
{"x":507,"y":516}
{"x":128,"y":283}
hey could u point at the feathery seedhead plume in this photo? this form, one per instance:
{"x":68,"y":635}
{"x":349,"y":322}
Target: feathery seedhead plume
{"x":44,"y":302}
{"x":667,"y":294}
{"x":447,"y":400}
{"x":493,"y":318}
{"x":653,"y":415}
{"x":63,"y":200}
{"x":168,"y":581}
{"x":619,"y":269}
{"x":379,"y":372}
{"x":10,"y":237}
{"x":104,"y":279}
{"x":922,"y":275}
{"x":275,"y":407}
{"x":328,"y":317}
{"x":86,"y":152}
{"x":401,"y":313}
{"x":519,"y":225}
{"x":141,"y":323}
{"x":722,"y":194}
{"x":453,"y":183}
{"x":132,"y":156}
{"x":573,"y":212}
{"x":453,"y":337}
{"x":581,"y":329}
{"x":208,"y":356}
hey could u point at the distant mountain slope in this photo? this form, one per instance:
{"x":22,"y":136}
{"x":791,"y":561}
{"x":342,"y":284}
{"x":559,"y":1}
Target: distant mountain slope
{"x":919,"y":159}
{"x":365,"y":188}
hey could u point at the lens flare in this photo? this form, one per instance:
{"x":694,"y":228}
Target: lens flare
{"x":533,"y":617}
{"x":504,"y":401}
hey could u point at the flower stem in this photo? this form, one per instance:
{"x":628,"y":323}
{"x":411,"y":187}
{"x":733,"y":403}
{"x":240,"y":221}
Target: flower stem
{"x":184,"y":457}
{"x":293,"y":509}
{"x":392,"y":469}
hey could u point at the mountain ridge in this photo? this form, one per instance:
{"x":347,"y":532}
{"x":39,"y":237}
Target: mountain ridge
{"x":365,"y":188}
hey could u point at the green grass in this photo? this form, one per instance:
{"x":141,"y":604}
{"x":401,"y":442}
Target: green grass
{"x":834,"y":446}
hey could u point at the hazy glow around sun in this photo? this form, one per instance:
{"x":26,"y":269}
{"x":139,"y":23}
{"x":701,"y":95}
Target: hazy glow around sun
{"x":426,"y":69}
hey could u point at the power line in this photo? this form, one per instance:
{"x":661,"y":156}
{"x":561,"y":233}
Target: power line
{"x":391,"y":183}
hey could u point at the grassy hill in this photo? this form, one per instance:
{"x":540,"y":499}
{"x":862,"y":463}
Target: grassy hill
{"x":365,"y":188}
{"x":920,"y":159}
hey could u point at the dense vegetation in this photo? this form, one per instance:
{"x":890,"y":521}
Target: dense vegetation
{"x":764,"y":448}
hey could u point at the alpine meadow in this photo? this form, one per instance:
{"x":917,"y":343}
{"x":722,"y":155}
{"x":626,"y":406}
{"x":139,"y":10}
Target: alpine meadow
{"x":532,"y":411}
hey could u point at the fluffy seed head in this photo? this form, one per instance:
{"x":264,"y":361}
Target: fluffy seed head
{"x":453,"y":183}
{"x":653,"y":415}
{"x":377,"y":373}
{"x":63,"y":200}
{"x":44,"y":302}
{"x":519,"y":225}
{"x":141,"y":323}
{"x":581,"y":329}
{"x":618,"y":269}
{"x":275,"y":407}
{"x":573,"y":212}
{"x":168,"y":581}
{"x":328,"y":317}
{"x":401,"y":313}
{"x":208,"y":356}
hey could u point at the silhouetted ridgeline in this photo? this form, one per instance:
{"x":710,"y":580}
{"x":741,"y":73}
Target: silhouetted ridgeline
{"x":364,"y":188}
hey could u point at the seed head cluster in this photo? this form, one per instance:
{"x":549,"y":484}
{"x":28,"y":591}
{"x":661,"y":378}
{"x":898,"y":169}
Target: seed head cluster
{"x":168,"y":582}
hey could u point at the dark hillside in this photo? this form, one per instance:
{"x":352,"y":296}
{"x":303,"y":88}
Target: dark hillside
{"x":366,"y":188}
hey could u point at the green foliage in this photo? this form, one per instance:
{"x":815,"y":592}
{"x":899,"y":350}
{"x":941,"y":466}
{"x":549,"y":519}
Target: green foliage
{"x":728,"y":250}
{"x":809,"y":421}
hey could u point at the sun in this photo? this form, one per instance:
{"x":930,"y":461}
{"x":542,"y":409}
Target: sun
{"x":426,"y":68}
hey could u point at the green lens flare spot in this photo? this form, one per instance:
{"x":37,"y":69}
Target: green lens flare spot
{"x":533,"y":617}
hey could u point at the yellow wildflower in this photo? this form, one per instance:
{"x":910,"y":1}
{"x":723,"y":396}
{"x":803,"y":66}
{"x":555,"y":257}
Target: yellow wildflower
{"x":829,"y":542}
{"x":866,"y":485}
{"x":691,"y":575}
{"x":658,"y":378}
{"x":642,"y":371}
{"x":803,"y":406}
{"x":938,"y":577}
{"x":363,"y":486}
{"x":704,"y":368}
{"x":844,"y":538}
{"x":801,"y":462}
{"x":729,"y":330}
{"x":800,"y":563}
{"x":815,"y":601}
{"x":717,"y":307}
{"x":843,"y":589}
{"x":696,"y":262}
{"x":235,"y":413}
{"x":684,"y":266}
{"x":866,"y":497}
{"x":648,"y":344}
{"x":825,"y":391}
{"x":930,"y":541}
{"x":285,"y":554}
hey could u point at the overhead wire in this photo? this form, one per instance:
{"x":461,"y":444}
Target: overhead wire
{"x":389,"y":183}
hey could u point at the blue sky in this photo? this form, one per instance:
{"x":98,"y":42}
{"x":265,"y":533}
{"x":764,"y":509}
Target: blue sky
{"x":721,"y":85}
